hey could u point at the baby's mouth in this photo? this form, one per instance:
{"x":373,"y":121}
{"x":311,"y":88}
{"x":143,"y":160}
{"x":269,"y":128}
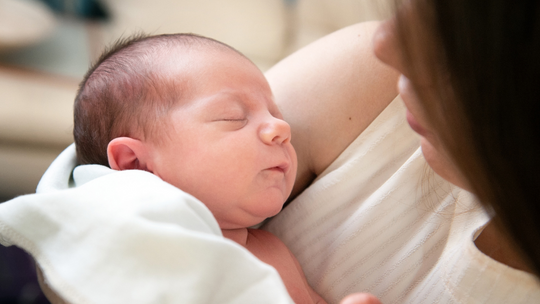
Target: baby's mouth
{"x":276,"y":169}
{"x":283,"y":168}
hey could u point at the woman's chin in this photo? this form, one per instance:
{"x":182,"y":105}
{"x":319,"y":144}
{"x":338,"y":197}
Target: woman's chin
{"x":441,"y":164}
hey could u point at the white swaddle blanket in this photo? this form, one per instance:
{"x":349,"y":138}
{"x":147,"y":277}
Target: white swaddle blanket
{"x":103,"y":236}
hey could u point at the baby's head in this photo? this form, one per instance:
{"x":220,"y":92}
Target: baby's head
{"x":130,"y":90}
{"x":196,"y":113}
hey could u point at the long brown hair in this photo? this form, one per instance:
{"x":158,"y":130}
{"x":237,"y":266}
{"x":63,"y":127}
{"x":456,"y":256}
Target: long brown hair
{"x":485,"y":58}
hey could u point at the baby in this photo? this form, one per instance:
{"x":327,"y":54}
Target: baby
{"x":201,"y":116}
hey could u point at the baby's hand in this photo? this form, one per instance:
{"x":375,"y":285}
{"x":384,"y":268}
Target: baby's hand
{"x":360,"y":298}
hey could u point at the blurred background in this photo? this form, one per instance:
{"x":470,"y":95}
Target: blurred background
{"x":46,"y":46}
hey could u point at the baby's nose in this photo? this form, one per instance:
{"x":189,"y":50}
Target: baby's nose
{"x":275,"y":131}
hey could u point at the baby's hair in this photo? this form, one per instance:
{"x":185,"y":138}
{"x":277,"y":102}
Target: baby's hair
{"x":123,"y":94}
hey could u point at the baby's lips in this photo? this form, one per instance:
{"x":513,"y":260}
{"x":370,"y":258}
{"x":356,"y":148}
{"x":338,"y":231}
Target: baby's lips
{"x":282,"y":167}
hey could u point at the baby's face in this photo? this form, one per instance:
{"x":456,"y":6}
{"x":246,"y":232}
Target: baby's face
{"x":228,"y":144}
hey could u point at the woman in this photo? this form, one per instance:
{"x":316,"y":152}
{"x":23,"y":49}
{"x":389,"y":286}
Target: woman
{"x":469,"y":80}
{"x":473,"y":100}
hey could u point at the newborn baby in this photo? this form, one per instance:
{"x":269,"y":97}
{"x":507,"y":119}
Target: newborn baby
{"x":201,"y":116}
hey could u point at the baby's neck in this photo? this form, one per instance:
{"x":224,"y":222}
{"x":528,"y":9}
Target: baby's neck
{"x":238,"y":235}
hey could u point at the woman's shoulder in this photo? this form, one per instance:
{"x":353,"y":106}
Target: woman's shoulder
{"x":329,"y":92}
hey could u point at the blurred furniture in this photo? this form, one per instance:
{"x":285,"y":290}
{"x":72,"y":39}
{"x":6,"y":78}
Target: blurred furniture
{"x":40,"y":74}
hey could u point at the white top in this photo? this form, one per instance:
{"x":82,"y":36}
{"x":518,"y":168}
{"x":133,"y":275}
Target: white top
{"x":379,"y":220}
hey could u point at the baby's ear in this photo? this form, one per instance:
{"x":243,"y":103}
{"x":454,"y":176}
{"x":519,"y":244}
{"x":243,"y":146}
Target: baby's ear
{"x":125,"y":153}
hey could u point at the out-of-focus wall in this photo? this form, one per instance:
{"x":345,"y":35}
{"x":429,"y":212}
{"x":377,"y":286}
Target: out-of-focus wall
{"x":314,"y":19}
{"x":257,"y":28}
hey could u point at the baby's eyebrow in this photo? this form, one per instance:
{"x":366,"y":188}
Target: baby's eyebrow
{"x":246,"y":103}
{"x":224,"y":101}
{"x":235,"y":98}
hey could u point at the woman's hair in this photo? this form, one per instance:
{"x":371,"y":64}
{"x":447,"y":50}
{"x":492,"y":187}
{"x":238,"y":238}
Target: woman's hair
{"x":485,"y":59}
{"x":125,"y":94}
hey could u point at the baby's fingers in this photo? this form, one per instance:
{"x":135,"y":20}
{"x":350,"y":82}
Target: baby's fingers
{"x":360,"y":298}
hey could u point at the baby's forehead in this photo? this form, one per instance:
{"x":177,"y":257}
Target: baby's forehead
{"x":193,"y":58}
{"x":197,"y":69}
{"x":186,"y":63}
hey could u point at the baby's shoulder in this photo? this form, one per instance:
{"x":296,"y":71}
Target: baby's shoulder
{"x":264,"y":240}
{"x":262,"y":235}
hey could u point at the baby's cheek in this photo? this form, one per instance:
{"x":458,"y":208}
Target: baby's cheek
{"x":292,"y":172}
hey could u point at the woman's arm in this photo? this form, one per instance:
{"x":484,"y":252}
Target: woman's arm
{"x":329,"y":92}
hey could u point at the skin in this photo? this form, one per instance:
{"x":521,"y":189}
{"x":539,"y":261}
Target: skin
{"x":229,"y":126}
{"x":360,"y":298}
{"x":329,"y":92}
{"x":227,"y":144}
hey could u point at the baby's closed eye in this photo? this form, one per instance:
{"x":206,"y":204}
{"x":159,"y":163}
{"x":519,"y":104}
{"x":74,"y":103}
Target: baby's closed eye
{"x":232,"y":119}
{"x":232,"y":123}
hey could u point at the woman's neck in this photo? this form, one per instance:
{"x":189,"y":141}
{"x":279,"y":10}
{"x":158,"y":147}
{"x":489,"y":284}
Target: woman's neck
{"x":495,"y":244}
{"x":238,"y":235}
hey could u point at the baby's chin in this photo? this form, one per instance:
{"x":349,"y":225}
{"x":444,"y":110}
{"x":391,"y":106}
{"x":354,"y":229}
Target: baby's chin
{"x":249,"y":219}
{"x":272,"y":208}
